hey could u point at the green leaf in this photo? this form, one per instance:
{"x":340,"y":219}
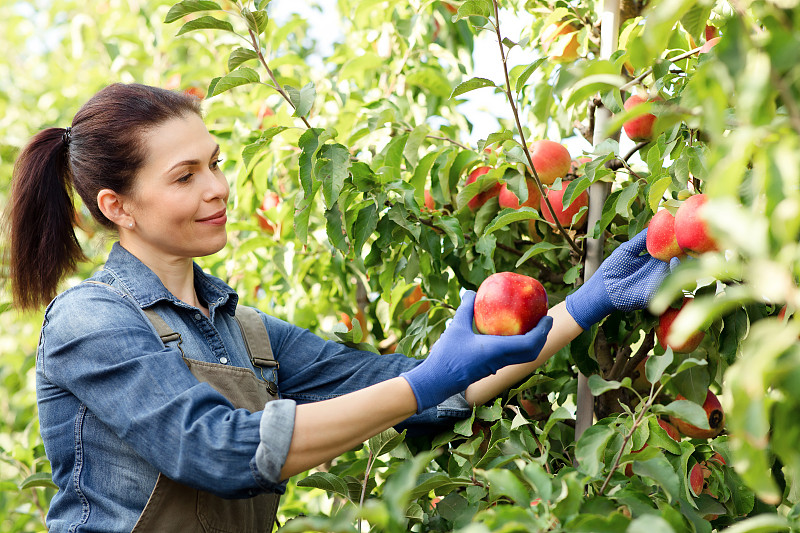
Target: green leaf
{"x":251,"y":150}
{"x":302,"y":99}
{"x":662,"y":472}
{"x":431,"y":79}
{"x":183,"y":8}
{"x":509,"y":216}
{"x":239,"y":56}
{"x":256,"y":20}
{"x":476,"y":8}
{"x":39,"y":479}
{"x":656,"y":193}
{"x":594,"y":84}
{"x":763,"y":523}
{"x":649,"y":523}
{"x":335,"y":229}
{"x":471,"y":85}
{"x":536,"y":249}
{"x":452,"y":228}
{"x":331,"y":168}
{"x":327,"y":482}
{"x":366,"y":222}
{"x":695,"y":20}
{"x":503,"y":482}
{"x":530,"y":69}
{"x":591,"y":447}
{"x":656,"y":365}
{"x":685,"y":410}
{"x":385,"y":441}
{"x":237,"y":78}
{"x":599,"y":385}
{"x":206,"y":22}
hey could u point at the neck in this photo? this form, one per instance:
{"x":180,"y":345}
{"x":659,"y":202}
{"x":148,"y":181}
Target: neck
{"x":176,"y":273}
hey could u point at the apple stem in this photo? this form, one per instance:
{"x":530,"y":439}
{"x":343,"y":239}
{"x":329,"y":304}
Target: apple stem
{"x":535,"y":174}
{"x":276,"y":85}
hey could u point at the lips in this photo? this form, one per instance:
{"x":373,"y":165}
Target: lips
{"x":218,"y":217}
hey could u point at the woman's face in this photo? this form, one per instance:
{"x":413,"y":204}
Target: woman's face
{"x":178,"y":202}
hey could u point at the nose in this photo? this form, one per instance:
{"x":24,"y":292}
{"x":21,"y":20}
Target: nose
{"x":217,"y":187}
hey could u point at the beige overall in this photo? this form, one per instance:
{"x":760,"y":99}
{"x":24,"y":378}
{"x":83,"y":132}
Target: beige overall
{"x":173,"y":507}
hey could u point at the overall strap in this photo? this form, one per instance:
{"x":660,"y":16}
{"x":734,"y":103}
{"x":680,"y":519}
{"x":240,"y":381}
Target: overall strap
{"x":256,"y":340}
{"x":163,"y":330}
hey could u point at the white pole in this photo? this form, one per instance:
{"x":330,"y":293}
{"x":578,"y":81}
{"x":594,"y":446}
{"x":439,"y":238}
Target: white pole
{"x":609,"y":32}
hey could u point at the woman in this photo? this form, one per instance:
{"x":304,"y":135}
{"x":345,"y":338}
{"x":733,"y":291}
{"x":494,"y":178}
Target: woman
{"x":163,"y":405}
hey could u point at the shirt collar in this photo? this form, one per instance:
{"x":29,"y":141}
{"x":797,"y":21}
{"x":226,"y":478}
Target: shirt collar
{"x":146,"y":288}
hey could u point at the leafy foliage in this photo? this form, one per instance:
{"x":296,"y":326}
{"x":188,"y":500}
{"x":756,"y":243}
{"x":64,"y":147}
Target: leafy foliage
{"x":352,"y":139}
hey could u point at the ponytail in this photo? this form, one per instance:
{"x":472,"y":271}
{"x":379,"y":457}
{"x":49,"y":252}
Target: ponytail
{"x":41,"y":216}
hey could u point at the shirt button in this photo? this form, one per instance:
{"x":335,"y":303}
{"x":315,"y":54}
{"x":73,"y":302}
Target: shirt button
{"x":223,"y":360}
{"x":197,"y":316}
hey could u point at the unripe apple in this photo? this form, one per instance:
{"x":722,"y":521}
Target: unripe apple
{"x":563,"y":215}
{"x":507,"y":198}
{"x":508,"y":303}
{"x":550,"y":160}
{"x":691,"y":229}
{"x":271,"y":199}
{"x":661,"y":240}
{"x":560,"y":42}
{"x":640,"y":128}
{"x":479,"y":199}
{"x":716,"y":419}
{"x":664,"y":328}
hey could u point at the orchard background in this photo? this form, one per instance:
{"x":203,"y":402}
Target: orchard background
{"x":344,"y":143}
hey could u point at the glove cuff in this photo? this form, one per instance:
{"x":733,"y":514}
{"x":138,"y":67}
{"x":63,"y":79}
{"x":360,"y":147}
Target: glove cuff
{"x":590,"y":303}
{"x":426,"y":386}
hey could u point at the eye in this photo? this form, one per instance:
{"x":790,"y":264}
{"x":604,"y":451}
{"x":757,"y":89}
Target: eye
{"x":215,"y":163}
{"x":185,"y":179}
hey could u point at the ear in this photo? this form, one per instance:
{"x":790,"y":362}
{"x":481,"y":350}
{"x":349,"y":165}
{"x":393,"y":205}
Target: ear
{"x":112,"y":206}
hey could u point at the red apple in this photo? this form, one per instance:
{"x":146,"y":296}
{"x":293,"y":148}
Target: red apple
{"x":347,"y":321}
{"x":430,"y":204}
{"x":197,"y":92}
{"x":479,"y":199}
{"x":661,"y":241}
{"x":450,"y":7}
{"x":671,"y":430}
{"x":560,"y":42}
{"x":509,"y":199}
{"x":413,"y":296}
{"x":708,"y":45}
{"x":575,"y":164}
{"x":697,"y":479}
{"x":509,"y":304}
{"x":710,"y":32}
{"x":716,"y":419}
{"x":691,"y":229}
{"x":550,"y":160}
{"x":664,"y":328}
{"x":271,"y":199}
{"x":640,"y":128}
{"x":565,"y":215}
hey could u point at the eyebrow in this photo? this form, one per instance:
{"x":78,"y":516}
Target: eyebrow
{"x":189,"y":162}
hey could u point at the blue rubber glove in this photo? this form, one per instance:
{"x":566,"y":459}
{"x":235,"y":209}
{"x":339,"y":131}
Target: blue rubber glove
{"x":627,"y":280}
{"x":461,"y":357}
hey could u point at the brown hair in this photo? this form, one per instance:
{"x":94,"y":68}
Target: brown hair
{"x":103,"y":149}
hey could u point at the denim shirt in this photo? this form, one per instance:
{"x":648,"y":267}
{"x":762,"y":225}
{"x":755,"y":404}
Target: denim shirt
{"x":116,"y":406}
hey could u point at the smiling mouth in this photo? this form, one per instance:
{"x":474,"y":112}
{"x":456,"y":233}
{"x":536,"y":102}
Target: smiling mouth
{"x":216,"y":216}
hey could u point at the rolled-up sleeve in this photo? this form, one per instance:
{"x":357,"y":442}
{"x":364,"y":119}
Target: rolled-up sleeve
{"x":277,"y":425}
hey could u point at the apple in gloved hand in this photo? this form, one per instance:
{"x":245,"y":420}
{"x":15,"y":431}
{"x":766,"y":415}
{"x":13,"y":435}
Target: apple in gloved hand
{"x":509,"y":304}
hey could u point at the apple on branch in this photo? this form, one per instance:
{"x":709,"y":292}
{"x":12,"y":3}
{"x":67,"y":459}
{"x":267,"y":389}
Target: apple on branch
{"x":640,"y":128}
{"x":271,"y":200}
{"x":508,"y":303}
{"x":560,"y":42}
{"x":715,"y":414}
{"x":691,"y":228}
{"x":428,"y":201}
{"x":482,"y":197}
{"x":565,"y":215}
{"x":661,"y":240}
{"x":664,"y":328}
{"x":551,"y":160}
{"x":507,"y":198}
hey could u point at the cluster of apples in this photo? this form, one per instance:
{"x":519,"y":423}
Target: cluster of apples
{"x":552,"y":161}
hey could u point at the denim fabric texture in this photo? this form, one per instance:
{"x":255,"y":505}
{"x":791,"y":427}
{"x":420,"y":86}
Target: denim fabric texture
{"x":116,"y":407}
